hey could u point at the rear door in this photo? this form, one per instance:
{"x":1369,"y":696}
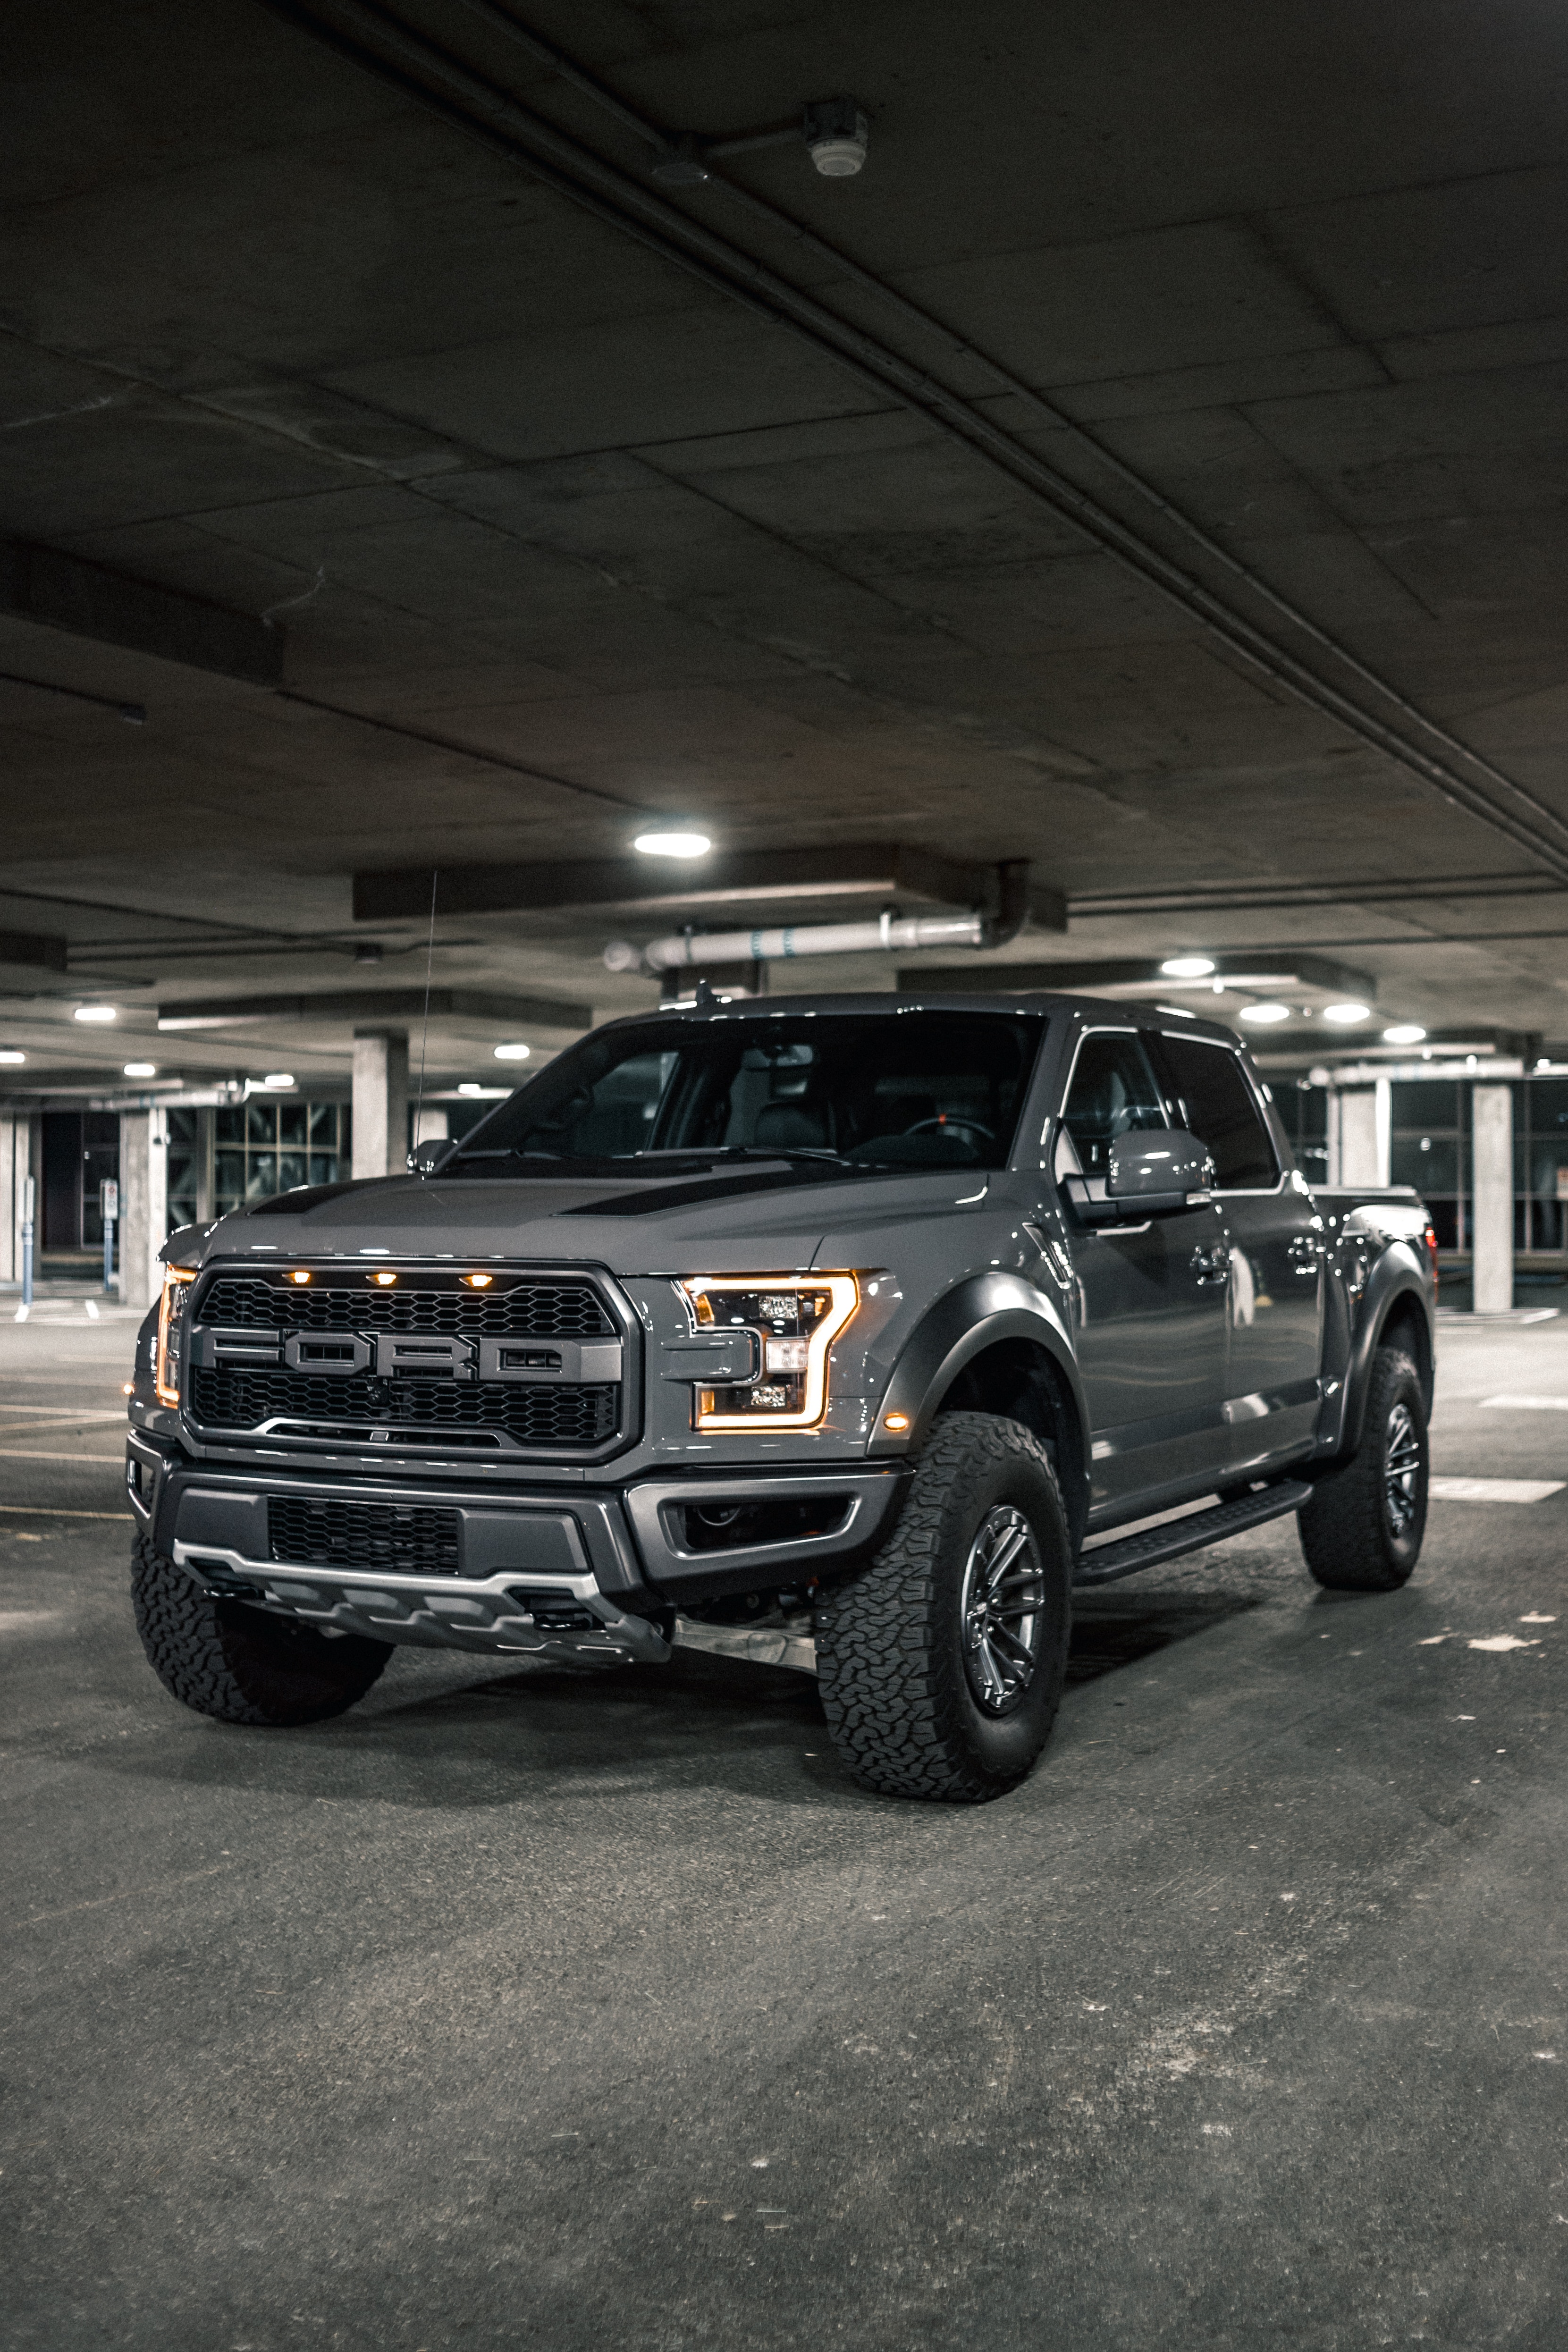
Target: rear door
{"x":1275,"y":1237}
{"x":1149,"y":1299}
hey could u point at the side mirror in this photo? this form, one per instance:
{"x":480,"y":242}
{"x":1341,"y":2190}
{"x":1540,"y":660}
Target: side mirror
{"x":426,"y":1159}
{"x":1153,"y":1172}
{"x":1157,"y":1167}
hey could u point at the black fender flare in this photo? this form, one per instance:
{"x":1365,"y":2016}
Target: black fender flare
{"x":1395,"y":1274}
{"x":956,"y":1329}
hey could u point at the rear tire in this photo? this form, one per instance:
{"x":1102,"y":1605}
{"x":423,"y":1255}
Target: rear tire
{"x":1362,"y":1531}
{"x":941,"y":1665}
{"x":238,"y":1664}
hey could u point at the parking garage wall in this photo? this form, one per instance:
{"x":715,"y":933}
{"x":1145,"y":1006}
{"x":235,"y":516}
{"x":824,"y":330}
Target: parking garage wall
{"x":1432,"y":1150}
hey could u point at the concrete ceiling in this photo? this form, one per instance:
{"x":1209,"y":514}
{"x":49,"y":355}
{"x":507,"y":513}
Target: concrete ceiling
{"x":1152,"y":465}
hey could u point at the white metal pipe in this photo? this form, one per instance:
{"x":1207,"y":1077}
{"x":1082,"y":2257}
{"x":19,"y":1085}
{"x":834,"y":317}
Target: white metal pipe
{"x":887,"y":932}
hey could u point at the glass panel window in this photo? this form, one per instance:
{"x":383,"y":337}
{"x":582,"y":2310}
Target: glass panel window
{"x":1430,"y":1162}
{"x":1113,"y":1092}
{"x":1220,"y":1110}
{"x":922,"y":1090}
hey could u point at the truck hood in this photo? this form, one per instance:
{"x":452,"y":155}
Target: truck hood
{"x":738,"y":1221}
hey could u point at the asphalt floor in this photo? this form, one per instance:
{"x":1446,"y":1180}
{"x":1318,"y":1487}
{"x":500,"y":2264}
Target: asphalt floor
{"x":522,"y":2008}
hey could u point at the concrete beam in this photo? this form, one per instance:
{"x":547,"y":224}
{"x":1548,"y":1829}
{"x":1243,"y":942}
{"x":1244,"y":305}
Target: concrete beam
{"x":34,"y":950}
{"x":1141,"y":976}
{"x":85,"y":600}
{"x":838,"y":870}
{"x":369,"y":1005}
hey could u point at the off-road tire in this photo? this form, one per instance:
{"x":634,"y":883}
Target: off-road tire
{"x":1350,"y":1532}
{"x":239,"y":1664}
{"x":890,"y":1641}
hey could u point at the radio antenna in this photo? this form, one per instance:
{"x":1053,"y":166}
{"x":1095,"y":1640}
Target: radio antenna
{"x":424,"y":1026}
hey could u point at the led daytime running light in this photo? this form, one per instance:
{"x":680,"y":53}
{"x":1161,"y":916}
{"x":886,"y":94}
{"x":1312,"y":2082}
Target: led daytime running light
{"x":844,"y":1296}
{"x":177,"y":1280}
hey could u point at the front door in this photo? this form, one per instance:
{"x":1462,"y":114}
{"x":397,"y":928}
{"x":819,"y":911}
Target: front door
{"x":1275,"y":1235}
{"x":1149,"y":1299}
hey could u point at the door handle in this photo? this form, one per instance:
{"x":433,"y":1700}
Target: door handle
{"x":1211,"y":1265}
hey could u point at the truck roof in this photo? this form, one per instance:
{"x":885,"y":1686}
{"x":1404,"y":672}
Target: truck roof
{"x":938,"y":1000}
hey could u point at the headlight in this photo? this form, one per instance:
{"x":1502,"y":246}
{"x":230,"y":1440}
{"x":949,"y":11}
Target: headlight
{"x":796,"y":1319}
{"x":177,"y":1281}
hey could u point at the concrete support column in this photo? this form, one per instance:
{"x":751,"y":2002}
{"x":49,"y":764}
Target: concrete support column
{"x":1492,"y":1199}
{"x":206,"y":1192}
{"x":1365,"y":1134}
{"x":15,"y":1164}
{"x":143,"y":1203}
{"x":381,"y":1102}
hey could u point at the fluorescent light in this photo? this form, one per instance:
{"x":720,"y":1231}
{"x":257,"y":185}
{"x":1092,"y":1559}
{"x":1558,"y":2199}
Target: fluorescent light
{"x":1342,"y":1015}
{"x":140,"y":1069}
{"x":1180,"y":1010}
{"x":1187,"y":968}
{"x":1264,"y":1013}
{"x":10,"y":1057}
{"x":1405,"y":1033}
{"x":279,"y":1078}
{"x":469,"y":1088}
{"x":673,"y":841}
{"x":520,"y":1053}
{"x":97,"y":1012}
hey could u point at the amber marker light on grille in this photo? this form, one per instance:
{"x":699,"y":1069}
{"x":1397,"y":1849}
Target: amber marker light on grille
{"x":298,"y":1276}
{"x":177,"y":1280}
{"x":479,"y":1281}
{"x":384,"y":1281}
{"x":707,"y":1295}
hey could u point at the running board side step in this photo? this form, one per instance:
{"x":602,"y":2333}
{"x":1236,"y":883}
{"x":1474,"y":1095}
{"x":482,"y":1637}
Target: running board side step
{"x":1108,"y":1561}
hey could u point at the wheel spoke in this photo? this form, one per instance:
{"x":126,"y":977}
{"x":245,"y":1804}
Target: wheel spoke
{"x":1002,"y":1601}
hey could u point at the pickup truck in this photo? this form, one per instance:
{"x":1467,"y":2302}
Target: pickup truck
{"x":891,"y":1319}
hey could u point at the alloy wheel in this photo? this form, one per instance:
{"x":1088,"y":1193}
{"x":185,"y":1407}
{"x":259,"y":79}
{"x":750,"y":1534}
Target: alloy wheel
{"x":1001,"y":1610}
{"x":1400,"y":1468}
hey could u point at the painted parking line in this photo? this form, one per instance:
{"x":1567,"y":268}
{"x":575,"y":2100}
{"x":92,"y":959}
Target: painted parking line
{"x":1527,"y":1404}
{"x":28,"y":1454}
{"x":23,"y":1621}
{"x":49,"y":1511}
{"x":1494,"y":1490}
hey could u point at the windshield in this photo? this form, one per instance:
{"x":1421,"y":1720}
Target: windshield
{"x":887,"y":1090}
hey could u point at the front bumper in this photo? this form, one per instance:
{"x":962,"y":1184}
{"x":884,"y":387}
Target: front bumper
{"x":594,"y":1575}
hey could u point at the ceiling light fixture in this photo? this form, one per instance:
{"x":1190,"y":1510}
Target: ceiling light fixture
{"x":1187,"y":968}
{"x":673,"y":838}
{"x":1265,"y":1014}
{"x":469,"y":1088}
{"x":512,"y":1053}
{"x":279,"y":1079}
{"x":1344,"y":1016}
{"x":1404,"y":1033}
{"x":835,"y":136}
{"x":140,"y":1069}
{"x":97,"y":1012}
{"x":10,"y":1057}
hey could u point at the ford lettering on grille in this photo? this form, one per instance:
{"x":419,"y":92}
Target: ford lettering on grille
{"x":531,"y":1363}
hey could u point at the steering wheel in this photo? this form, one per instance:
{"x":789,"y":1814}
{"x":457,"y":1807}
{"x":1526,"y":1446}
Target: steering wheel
{"x":967,"y":1127}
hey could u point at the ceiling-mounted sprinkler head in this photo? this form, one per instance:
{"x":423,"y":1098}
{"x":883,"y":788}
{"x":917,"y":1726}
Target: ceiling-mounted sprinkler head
{"x":836,"y":134}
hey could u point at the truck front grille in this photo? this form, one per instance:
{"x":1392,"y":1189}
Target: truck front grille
{"x":398,"y":1538}
{"x":545,"y":1415}
{"x":516,"y":1306}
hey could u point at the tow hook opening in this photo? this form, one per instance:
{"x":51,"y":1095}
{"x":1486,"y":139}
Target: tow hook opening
{"x":553,"y":1612}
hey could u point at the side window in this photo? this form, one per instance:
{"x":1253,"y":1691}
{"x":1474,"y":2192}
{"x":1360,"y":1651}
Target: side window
{"x":1113,"y":1090}
{"x":1221,"y":1112}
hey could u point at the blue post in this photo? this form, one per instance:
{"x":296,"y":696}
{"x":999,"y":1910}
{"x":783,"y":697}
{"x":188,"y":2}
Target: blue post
{"x":109,"y":1204}
{"x":28,"y":1243}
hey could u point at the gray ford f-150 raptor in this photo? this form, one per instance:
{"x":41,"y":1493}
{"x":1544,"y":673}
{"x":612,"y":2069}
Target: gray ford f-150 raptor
{"x":884,"y":1317}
